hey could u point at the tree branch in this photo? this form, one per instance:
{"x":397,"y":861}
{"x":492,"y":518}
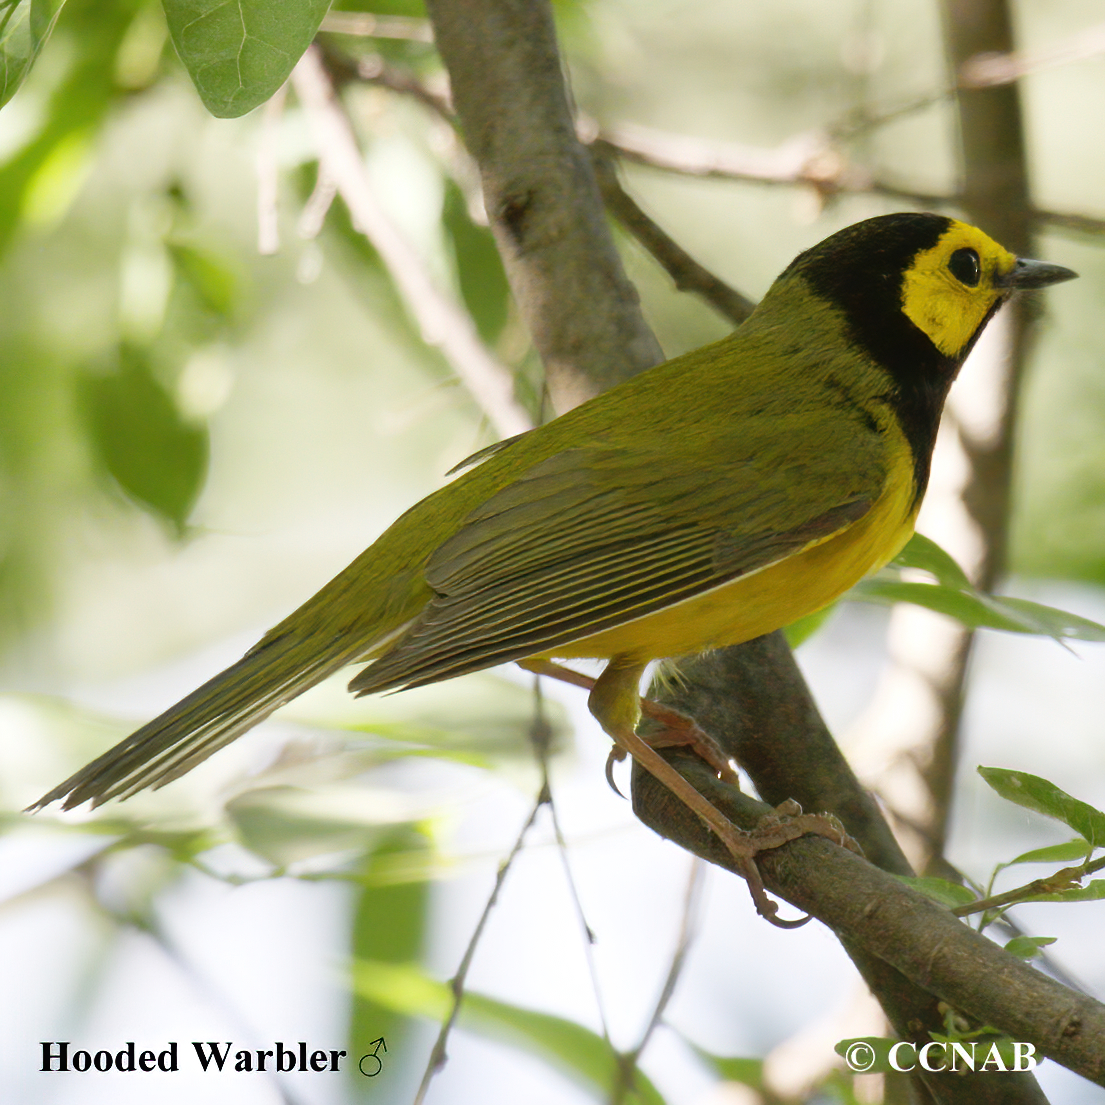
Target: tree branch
{"x":541,"y":196}
{"x":919,"y":939}
{"x":808,"y":158}
{"x":995,"y":195}
{"x":688,"y":274}
{"x":443,"y":322}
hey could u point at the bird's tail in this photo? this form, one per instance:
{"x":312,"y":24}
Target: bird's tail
{"x":200,"y":724}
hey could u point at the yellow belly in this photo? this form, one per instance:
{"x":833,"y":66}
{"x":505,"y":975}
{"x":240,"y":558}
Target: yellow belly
{"x":771,"y":598}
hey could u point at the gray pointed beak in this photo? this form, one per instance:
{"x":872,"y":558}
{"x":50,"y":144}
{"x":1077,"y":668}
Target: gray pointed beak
{"x":1033,"y":274}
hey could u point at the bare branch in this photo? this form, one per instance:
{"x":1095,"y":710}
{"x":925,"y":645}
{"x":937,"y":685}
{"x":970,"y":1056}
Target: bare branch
{"x":541,"y":196}
{"x":688,"y":274}
{"x":374,"y":70}
{"x":807,"y":158}
{"x":828,"y":171}
{"x":755,"y":703}
{"x":1080,"y":224}
{"x":437,"y":1054}
{"x":990,"y":69}
{"x":313,"y":216}
{"x":368,"y":25}
{"x":442,"y":320}
{"x":268,"y":231}
{"x":868,"y":908}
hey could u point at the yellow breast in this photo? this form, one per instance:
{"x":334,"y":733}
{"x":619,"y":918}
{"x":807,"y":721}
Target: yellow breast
{"x":772,"y":597}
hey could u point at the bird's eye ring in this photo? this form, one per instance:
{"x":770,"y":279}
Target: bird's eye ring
{"x":965,"y":267}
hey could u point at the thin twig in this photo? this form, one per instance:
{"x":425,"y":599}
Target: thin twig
{"x":988,"y":70}
{"x":541,"y":734}
{"x":441,"y":319}
{"x":1066,"y":879}
{"x":313,"y":215}
{"x":438,"y":1055}
{"x":267,"y":166}
{"x":800,"y":160}
{"x":786,"y":165}
{"x":374,"y":70}
{"x":688,"y":274}
{"x":627,"y":1064}
{"x":807,"y":158}
{"x":1080,"y":224}
{"x":368,"y":25}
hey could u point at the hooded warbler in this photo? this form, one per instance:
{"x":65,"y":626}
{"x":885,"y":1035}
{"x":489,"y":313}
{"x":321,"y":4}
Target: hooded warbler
{"x":711,"y":499}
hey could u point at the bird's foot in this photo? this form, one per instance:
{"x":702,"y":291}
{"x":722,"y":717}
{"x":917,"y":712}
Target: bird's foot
{"x":785,"y":823}
{"x":672,"y":729}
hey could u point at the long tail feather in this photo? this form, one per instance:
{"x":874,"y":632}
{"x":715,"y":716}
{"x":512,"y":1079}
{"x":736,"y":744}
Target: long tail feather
{"x":200,"y":724}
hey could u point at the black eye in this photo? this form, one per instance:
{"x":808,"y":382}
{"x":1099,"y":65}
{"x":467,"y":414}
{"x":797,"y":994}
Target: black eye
{"x":964,"y":266}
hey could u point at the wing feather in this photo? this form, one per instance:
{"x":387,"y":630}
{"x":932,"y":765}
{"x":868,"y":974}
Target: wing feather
{"x":597,"y":535}
{"x":487,"y":611}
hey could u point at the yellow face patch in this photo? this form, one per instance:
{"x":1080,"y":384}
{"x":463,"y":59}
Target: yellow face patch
{"x":937,"y":294}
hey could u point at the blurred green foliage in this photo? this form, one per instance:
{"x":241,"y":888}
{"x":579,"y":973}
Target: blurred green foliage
{"x":140,"y":438}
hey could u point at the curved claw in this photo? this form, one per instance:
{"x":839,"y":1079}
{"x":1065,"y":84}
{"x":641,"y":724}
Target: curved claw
{"x":616,"y":754}
{"x":765,"y":907}
{"x":782,"y":923}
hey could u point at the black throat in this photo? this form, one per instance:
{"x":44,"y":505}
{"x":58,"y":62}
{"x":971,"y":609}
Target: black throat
{"x":860,"y":271}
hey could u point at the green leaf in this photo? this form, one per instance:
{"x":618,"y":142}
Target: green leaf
{"x":284,"y":835}
{"x":571,"y":1048}
{"x":389,"y":926}
{"x":941,"y":890}
{"x":482,"y":719}
{"x":207,"y":275}
{"x":480,"y":274}
{"x":924,"y":553}
{"x":25,"y":25}
{"x":1034,"y":793}
{"x":238,"y":54}
{"x":141,"y":439}
{"x":1047,"y":620}
{"x":1071,"y":851}
{"x":954,"y":596}
{"x":1028,"y":947}
{"x":735,"y":1068}
{"x":75,"y":111}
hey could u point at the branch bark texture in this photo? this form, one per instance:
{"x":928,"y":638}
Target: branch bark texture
{"x":541,"y":196}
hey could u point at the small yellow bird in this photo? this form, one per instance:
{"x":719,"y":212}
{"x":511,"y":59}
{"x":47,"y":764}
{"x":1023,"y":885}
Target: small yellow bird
{"x":714,"y":498}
